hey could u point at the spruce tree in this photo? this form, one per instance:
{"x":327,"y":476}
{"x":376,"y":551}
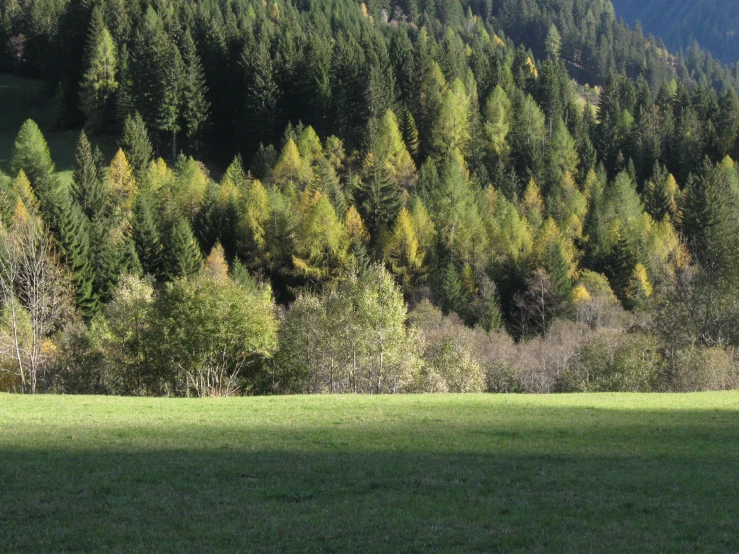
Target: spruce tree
{"x":195,"y":106}
{"x":558,"y":269}
{"x":87,"y":183}
{"x":182,"y":257}
{"x":261,"y":94}
{"x":620,"y":267}
{"x":449,"y":290}
{"x":70,"y":228}
{"x":146,"y":237}
{"x":106,"y":255}
{"x":410,"y":133}
{"x":170,"y":104}
{"x":135,"y":144}
{"x":379,"y":199}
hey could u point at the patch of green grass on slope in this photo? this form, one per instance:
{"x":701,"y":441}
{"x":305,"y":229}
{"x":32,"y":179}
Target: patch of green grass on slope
{"x":22,"y":99}
{"x":438,"y":473}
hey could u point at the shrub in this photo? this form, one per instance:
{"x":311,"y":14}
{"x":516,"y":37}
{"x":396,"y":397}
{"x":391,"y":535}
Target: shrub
{"x":702,"y":369}
{"x":501,"y":377}
{"x":614,"y":361}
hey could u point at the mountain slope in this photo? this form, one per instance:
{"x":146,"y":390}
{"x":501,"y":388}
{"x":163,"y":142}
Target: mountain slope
{"x":712,"y":23}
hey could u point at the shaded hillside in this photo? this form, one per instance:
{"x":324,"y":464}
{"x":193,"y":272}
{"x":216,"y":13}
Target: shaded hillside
{"x":712,"y":23}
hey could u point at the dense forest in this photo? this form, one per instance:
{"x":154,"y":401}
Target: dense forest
{"x":681,"y":23}
{"x":373,"y":197}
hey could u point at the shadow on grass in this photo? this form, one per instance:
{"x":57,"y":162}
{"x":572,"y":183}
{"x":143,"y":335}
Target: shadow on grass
{"x":616,"y":482}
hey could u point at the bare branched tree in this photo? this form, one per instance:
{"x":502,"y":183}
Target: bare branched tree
{"x":34,"y":295}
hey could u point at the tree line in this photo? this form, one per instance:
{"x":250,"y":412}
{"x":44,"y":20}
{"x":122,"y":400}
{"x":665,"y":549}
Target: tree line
{"x":445,"y":191}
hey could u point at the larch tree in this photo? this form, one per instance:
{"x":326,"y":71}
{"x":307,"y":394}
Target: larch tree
{"x":31,"y":154}
{"x":403,"y":254}
{"x":99,"y":84}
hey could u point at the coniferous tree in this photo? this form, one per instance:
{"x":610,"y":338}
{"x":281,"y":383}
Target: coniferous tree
{"x":195,"y":106}
{"x":182,"y":256}
{"x":31,"y":154}
{"x":72,"y":238}
{"x":99,"y":84}
{"x":261,"y":94}
{"x":449,"y":290}
{"x":620,"y":267}
{"x":146,"y":236}
{"x":87,"y":183}
{"x":378,"y":198}
{"x":558,"y":269}
{"x":136,"y":144}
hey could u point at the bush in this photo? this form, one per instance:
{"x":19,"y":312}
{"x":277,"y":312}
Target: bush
{"x":450,"y":363}
{"x":501,"y":377}
{"x":614,"y":361}
{"x":703,"y":369}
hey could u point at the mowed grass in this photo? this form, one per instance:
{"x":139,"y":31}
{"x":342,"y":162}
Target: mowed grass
{"x":21,"y":99}
{"x":440,"y":473}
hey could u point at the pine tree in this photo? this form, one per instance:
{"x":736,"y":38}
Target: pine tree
{"x":449,"y":290}
{"x":170,"y":104}
{"x":709,"y":221}
{"x":146,"y":236}
{"x":31,"y":154}
{"x":620,"y":267}
{"x":71,"y":233}
{"x":261,"y":94}
{"x":390,"y":151}
{"x":379,"y":199}
{"x":410,"y":133}
{"x":125,"y":98}
{"x":99,"y":84}
{"x":182,"y":257}
{"x":558,"y":268}
{"x":135,"y":144}
{"x":87,"y":183}
{"x":553,"y":42}
{"x":195,"y":106}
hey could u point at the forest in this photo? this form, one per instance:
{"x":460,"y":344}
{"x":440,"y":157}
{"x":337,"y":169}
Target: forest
{"x":391,"y":196}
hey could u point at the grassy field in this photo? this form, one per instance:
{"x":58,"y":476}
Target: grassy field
{"x":478,"y":473}
{"x":22,"y":99}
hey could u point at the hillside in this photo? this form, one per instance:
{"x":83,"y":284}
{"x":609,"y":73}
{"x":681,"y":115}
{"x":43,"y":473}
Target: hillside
{"x":680,"y":23}
{"x":380,"y":197}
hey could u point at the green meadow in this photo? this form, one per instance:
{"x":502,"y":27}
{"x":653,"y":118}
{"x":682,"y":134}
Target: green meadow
{"x":21,"y":99}
{"x":437,"y":473}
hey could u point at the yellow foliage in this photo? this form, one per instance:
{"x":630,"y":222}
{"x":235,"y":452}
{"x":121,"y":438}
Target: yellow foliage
{"x":215,"y":264}
{"x":228,"y":193}
{"x":22,"y":187}
{"x":580,"y":295}
{"x":290,"y":167}
{"x":498,"y":41}
{"x":159,"y":177}
{"x":121,"y":183}
{"x":20,"y":213}
{"x":532,"y":198}
{"x":355,"y":226}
